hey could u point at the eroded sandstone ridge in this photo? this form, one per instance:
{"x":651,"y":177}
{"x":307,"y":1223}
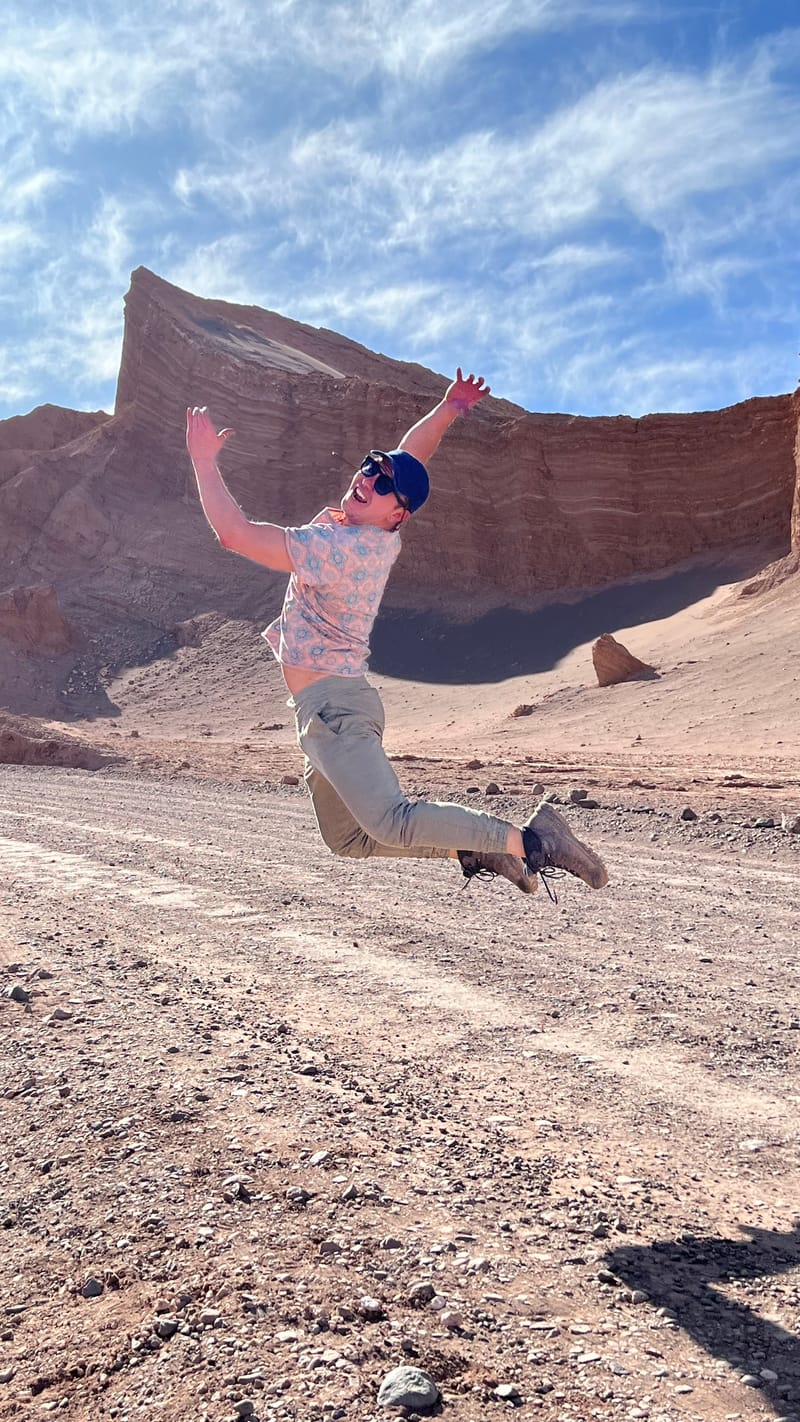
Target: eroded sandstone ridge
{"x":527,"y":508}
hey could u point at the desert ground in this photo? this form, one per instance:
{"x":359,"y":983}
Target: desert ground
{"x":274,"y":1123}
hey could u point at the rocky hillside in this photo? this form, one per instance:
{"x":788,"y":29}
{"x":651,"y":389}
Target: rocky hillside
{"x":527,"y":507}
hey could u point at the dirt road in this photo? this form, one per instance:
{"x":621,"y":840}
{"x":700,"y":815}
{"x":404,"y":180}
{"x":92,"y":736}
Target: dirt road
{"x":301,"y":1120}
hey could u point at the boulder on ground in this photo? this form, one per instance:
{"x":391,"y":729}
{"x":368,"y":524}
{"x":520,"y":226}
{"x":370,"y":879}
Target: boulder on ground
{"x":408,"y":1387}
{"x":614,"y":663}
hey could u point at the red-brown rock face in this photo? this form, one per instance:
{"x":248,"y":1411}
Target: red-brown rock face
{"x":47,"y":427}
{"x":32,"y":618}
{"x":614,"y":663}
{"x":22,"y":742}
{"x":524,"y":506}
{"x":525,"y":509}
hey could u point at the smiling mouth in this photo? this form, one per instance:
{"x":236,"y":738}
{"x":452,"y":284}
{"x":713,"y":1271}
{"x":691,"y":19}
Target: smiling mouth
{"x":359,"y":497}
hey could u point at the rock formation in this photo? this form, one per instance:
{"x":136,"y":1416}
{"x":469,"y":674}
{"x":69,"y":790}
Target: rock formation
{"x":32,"y":618}
{"x":45,"y":428}
{"x":614,"y":663}
{"x":24,"y":742}
{"x":526,"y":507}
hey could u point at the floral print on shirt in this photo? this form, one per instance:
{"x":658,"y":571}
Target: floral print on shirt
{"x":333,"y":596}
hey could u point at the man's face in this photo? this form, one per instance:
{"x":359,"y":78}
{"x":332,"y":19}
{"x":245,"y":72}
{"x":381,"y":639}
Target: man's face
{"x":364,"y":506}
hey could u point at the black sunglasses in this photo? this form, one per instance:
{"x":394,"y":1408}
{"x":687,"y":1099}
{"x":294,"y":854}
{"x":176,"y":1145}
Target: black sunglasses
{"x":374,"y":467}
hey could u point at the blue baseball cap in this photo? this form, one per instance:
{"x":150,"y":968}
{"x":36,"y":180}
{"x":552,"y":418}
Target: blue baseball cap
{"x":411,"y":478}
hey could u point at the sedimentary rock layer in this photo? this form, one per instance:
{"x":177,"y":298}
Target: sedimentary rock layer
{"x":526,"y":508}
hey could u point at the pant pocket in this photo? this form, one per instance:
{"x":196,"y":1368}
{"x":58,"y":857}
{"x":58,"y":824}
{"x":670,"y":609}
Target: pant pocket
{"x":332,"y":719}
{"x":314,"y":727}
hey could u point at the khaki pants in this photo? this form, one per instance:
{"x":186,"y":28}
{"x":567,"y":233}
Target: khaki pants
{"x":359,"y":805}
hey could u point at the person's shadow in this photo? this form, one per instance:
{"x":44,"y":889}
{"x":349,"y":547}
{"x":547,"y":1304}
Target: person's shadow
{"x":679,"y":1275}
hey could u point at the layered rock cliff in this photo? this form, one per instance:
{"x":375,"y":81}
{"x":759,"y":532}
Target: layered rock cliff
{"x":525,"y":505}
{"x":526,"y":508}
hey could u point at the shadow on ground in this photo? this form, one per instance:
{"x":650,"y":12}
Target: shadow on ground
{"x":680,"y":1275}
{"x":428,"y":647}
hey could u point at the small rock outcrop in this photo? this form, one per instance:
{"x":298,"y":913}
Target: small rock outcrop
{"x":613,"y":662}
{"x":24,"y":741}
{"x":32,"y":618}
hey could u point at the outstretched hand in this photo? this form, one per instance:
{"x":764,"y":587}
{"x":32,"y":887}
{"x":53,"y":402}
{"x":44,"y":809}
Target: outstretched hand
{"x":203,"y":441}
{"x":465,"y":391}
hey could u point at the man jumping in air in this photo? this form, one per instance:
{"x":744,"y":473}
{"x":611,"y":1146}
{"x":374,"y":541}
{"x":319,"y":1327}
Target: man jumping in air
{"x":338,"y":565}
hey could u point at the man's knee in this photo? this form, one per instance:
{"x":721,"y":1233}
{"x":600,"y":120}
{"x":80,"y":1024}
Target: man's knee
{"x":339,"y":829}
{"x":390,"y":824}
{"x":387,"y":825}
{"x":350,"y":844}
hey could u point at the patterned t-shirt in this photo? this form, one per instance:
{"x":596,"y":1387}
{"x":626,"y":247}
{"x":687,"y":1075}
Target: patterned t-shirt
{"x":334,"y":593}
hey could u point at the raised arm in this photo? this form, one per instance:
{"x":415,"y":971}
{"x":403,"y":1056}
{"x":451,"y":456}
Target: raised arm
{"x":261,"y":542}
{"x":422,"y":440}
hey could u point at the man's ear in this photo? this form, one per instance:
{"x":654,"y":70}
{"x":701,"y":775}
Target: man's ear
{"x":405,"y":515}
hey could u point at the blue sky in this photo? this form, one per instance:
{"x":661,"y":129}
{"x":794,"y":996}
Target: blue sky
{"x":594,"y":203}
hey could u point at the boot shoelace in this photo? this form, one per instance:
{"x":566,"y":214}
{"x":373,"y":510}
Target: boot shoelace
{"x":547,"y":873}
{"x":477,"y":871}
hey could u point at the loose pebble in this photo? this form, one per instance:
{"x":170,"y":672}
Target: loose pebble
{"x":17,"y":993}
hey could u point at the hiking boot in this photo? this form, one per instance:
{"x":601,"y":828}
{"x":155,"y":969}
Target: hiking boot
{"x":550,"y":844}
{"x":475,"y":864}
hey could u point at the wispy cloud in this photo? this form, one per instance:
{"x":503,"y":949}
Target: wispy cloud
{"x":428,"y":41}
{"x":74,"y":303}
{"x":516,"y":180}
{"x":225,"y":269}
{"x":642,"y":382}
{"x":80,"y":80}
{"x":644,"y":144}
{"x":134,"y":68}
{"x":30,"y":190}
{"x":18,"y":241}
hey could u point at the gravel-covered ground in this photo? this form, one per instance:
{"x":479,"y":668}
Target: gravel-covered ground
{"x":291,"y":1121}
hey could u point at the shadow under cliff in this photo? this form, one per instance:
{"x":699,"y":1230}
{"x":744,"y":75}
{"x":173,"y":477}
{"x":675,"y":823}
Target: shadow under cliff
{"x":679,"y":1275}
{"x":420,"y":646}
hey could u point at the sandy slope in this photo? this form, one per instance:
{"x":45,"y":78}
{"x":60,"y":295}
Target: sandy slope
{"x":727,"y":696}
